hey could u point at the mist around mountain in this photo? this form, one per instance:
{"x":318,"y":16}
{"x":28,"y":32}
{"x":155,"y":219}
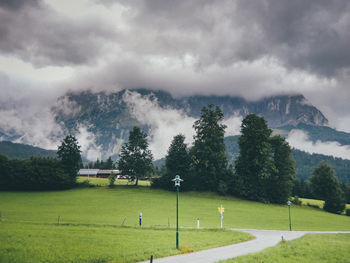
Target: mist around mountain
{"x":102,"y":121}
{"x":105,"y":119}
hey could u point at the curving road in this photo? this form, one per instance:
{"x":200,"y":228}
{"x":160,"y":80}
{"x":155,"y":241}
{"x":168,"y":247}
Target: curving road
{"x":263,"y":239}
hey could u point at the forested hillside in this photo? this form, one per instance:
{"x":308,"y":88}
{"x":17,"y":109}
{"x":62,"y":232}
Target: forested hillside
{"x":304,"y":162}
{"x":23,"y":151}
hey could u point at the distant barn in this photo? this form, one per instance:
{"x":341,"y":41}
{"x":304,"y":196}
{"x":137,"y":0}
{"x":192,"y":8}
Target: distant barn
{"x":106,"y":173}
{"x":97,"y":173}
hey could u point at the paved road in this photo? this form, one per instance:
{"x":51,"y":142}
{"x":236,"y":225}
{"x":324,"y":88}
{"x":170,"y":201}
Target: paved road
{"x":264,"y":239}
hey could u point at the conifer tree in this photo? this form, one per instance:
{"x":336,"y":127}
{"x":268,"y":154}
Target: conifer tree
{"x":254,"y":164}
{"x":208,"y":153}
{"x":135,"y":158}
{"x":177,"y":162}
{"x":280,"y":184}
{"x":69,"y":155}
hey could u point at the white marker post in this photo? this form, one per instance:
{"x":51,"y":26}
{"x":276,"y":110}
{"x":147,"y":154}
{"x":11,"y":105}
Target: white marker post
{"x":198,"y":223}
{"x":221,"y":211}
{"x":140,"y":219}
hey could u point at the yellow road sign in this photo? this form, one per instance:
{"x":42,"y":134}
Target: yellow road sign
{"x":221,"y":209}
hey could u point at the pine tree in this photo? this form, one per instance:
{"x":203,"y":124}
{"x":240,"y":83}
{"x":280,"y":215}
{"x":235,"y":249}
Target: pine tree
{"x":177,"y":162}
{"x":208,"y":153}
{"x":69,"y":155}
{"x":135,"y":158}
{"x":280,"y":184}
{"x":254,"y":164}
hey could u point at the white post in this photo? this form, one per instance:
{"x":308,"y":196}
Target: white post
{"x":198,"y":223}
{"x":221,"y":215}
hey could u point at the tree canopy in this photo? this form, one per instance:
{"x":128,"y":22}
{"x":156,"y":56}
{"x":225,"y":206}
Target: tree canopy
{"x":135,"y":159}
{"x":325,"y":186}
{"x":264,"y":168}
{"x":69,"y":155}
{"x":208,"y":153}
{"x":177,"y":162}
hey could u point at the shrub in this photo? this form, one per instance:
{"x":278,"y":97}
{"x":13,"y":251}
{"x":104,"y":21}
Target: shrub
{"x":313,"y":205}
{"x":296,"y":200}
{"x":111,"y":179}
{"x":347,"y":211}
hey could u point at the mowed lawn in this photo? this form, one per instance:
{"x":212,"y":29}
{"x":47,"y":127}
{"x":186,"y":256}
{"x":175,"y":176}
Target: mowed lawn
{"x":100,"y":224}
{"x":334,"y":248}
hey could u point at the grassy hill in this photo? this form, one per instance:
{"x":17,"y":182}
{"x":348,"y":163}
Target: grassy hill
{"x":100,"y":224}
{"x":310,"y":248}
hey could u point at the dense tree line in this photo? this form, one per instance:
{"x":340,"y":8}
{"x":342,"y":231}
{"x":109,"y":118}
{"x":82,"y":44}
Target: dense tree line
{"x":306,"y":163}
{"x":107,"y":164}
{"x":42,"y":173}
{"x":264,"y":169}
{"x":324,"y":185}
{"x":36,"y":173}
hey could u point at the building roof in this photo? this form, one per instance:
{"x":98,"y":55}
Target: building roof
{"x":88,"y":171}
{"x":108,"y":171}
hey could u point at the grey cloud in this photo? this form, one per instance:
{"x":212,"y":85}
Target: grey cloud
{"x":39,"y":35}
{"x":308,"y":35}
{"x":25,"y":113}
{"x":16,"y":4}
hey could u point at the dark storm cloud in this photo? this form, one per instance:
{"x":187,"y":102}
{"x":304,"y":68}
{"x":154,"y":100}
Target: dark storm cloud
{"x":312,"y":35}
{"x":35,"y":33}
{"x":309,"y":35}
{"x":16,"y":4}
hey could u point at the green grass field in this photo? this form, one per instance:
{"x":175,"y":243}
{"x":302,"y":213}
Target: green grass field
{"x":91,"y":243}
{"x":310,"y":248}
{"x":91,"y":220}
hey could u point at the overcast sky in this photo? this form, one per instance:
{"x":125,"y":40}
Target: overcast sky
{"x":238,"y":47}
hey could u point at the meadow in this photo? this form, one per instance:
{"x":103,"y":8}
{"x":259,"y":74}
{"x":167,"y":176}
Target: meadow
{"x":332,"y":248}
{"x":100,"y":224}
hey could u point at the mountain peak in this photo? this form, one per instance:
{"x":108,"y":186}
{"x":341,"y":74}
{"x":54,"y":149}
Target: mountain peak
{"x":108,"y":117}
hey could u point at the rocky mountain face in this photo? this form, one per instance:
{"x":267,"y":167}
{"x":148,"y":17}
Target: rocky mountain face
{"x":108,"y":117}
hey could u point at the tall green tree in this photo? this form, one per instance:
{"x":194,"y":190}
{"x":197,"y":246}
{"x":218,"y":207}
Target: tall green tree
{"x":69,"y":155}
{"x":254,"y":164}
{"x":208,"y":153}
{"x":177,"y":162}
{"x":325,"y":186}
{"x":280,"y":183}
{"x":135,"y":157}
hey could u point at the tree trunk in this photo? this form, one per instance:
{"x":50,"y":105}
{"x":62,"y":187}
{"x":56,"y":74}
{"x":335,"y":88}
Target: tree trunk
{"x":137,"y":181}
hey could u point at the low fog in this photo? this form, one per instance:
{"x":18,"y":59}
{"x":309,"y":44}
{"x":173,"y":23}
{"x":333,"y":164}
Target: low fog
{"x":300,"y":140}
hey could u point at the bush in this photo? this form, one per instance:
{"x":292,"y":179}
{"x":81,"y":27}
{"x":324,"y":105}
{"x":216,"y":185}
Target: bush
{"x":296,"y":200}
{"x":335,"y":204}
{"x":347,"y":211}
{"x":313,"y":206}
{"x":111,"y":179}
